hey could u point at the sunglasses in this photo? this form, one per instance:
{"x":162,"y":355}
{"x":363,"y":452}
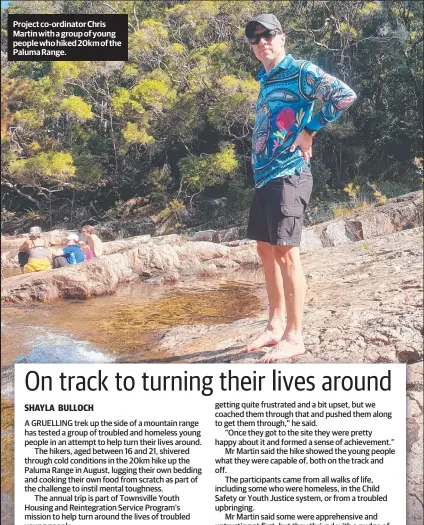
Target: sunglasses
{"x":267,"y":35}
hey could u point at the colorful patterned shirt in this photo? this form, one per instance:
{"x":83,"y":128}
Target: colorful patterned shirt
{"x":284,"y":107}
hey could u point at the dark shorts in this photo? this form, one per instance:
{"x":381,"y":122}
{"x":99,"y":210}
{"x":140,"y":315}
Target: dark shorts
{"x":277,"y":210}
{"x":23,"y":258}
{"x":59,"y":261}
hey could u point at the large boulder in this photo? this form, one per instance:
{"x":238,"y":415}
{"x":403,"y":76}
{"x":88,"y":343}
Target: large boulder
{"x":124,"y":244}
{"x":400,"y":213}
{"x":233,"y":234}
{"x":207,"y":235}
{"x":311,"y":240}
{"x":139,"y":256}
{"x":96,"y":277}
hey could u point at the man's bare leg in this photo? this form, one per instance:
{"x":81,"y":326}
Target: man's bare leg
{"x":274,"y":286}
{"x":291,"y":345}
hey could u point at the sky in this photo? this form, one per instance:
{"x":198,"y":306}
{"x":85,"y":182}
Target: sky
{"x":4,"y":4}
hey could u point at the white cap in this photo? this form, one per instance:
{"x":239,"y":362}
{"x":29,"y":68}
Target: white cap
{"x":35,"y":230}
{"x":72,"y":237}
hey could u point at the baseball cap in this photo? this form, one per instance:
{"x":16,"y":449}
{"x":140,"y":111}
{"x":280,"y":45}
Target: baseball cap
{"x":35,"y":230}
{"x":72,"y":237}
{"x":267,"y":20}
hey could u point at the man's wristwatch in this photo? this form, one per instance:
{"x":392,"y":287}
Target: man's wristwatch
{"x":310,"y":132}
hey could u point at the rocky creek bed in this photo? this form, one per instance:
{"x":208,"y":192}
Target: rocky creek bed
{"x":364,"y":303}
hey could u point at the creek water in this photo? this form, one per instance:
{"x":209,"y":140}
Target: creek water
{"x":123,"y":327}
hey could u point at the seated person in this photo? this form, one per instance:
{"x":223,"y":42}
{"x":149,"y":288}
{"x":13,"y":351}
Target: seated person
{"x":70,"y":254}
{"x":34,"y":256}
{"x":93,"y":241}
{"x":85,"y":248}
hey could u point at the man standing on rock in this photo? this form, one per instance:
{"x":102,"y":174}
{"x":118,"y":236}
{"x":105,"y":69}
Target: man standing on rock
{"x":281,"y":151}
